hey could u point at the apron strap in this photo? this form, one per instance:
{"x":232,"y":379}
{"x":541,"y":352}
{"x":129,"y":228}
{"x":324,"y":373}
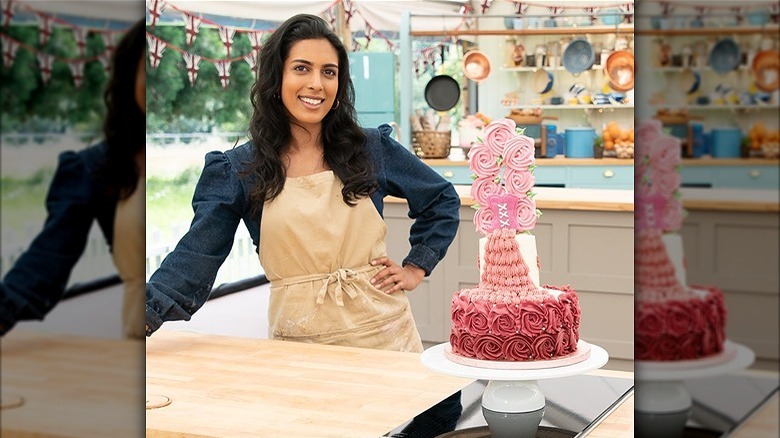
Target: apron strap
{"x":342,"y":278}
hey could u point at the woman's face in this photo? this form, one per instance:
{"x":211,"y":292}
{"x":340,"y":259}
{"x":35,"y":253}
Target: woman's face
{"x":140,"y":84}
{"x":310,"y":81}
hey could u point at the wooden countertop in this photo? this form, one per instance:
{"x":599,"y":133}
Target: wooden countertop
{"x":222,"y":386}
{"x":71,"y":386}
{"x":562,"y":199}
{"x":731,"y":200}
{"x":459,"y":160}
{"x":709,"y":161}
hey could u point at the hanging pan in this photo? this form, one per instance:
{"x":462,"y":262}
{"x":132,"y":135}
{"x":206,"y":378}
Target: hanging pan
{"x":442,"y":93}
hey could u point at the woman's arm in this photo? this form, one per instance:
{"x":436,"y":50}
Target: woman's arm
{"x":433,"y":202}
{"x":184,"y":280}
{"x":38,"y":279}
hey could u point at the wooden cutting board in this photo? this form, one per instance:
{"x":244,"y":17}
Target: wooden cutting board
{"x":233,"y":387}
{"x":68,"y":386}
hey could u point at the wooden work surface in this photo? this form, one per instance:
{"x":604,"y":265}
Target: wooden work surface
{"x":230,"y":387}
{"x":71,"y":386}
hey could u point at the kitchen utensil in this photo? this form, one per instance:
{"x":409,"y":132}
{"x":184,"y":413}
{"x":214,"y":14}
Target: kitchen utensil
{"x":578,"y":56}
{"x":758,"y":17}
{"x":766,"y":70}
{"x":611,"y":17}
{"x":726,"y":142}
{"x":476,"y":66}
{"x":579,"y":142}
{"x":724,"y":56}
{"x":689,"y":81}
{"x":541,"y":81}
{"x":523,"y":120}
{"x":619,"y":69}
{"x":442,"y":93}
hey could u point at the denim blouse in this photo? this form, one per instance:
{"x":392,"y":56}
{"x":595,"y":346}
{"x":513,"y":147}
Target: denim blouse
{"x":184,"y":280}
{"x":76,"y":198}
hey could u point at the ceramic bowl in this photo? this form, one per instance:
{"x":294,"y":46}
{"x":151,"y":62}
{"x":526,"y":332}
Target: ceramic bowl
{"x":766,"y":70}
{"x":578,"y":56}
{"x":541,"y":81}
{"x":619,"y":69}
{"x":724,"y":56}
{"x":476,"y":65}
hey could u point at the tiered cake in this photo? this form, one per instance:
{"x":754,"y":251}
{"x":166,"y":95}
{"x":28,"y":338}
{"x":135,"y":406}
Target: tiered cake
{"x":509,"y":316}
{"x":672,"y":320}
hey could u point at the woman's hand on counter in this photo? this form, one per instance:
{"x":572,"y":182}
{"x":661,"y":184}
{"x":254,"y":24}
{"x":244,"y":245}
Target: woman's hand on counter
{"x":393,"y":277}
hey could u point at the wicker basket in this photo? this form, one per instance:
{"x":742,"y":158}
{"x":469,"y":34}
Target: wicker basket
{"x":431,"y":144}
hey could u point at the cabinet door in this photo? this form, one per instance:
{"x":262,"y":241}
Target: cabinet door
{"x":604,"y":177}
{"x":747,"y":177}
{"x":373,"y":75}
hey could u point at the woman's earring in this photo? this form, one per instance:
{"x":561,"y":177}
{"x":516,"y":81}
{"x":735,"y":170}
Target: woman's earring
{"x":337,"y":104}
{"x":277,"y":96}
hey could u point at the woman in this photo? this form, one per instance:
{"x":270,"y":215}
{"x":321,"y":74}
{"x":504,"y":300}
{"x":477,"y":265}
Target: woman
{"x":310,"y":186}
{"x":104,"y":182}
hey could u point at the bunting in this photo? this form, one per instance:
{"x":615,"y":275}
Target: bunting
{"x":77,"y":70}
{"x":156,"y":8}
{"x":226,"y":35}
{"x":44,"y":26}
{"x":80,"y":35}
{"x":223,"y":68}
{"x":193,"y":65}
{"x":10,"y":47}
{"x":156,"y":49}
{"x":255,"y":39}
{"x":191,"y":26}
{"x":628,"y":12}
{"x":109,"y":40}
{"x":8,"y":11}
{"x":251,"y":59}
{"x":45,"y":61}
{"x":105,"y":61}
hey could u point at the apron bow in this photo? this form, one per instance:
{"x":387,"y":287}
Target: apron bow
{"x":343,"y":279}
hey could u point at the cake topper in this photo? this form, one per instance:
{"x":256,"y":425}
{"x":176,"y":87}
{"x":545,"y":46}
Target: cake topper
{"x":502,"y":167}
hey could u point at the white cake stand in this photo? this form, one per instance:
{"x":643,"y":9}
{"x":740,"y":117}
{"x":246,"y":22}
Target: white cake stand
{"x":513,"y":400}
{"x":663,"y":402}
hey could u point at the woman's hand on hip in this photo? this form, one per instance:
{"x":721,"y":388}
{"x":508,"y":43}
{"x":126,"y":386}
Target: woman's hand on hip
{"x":393,"y":277}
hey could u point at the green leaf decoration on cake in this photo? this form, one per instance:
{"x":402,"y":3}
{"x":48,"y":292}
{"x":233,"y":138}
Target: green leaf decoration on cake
{"x":538,"y":213}
{"x":473,"y":177}
{"x":475,"y":207}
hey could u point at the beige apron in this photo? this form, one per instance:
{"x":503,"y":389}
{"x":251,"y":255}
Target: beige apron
{"x":316,"y":251}
{"x":129,"y":251}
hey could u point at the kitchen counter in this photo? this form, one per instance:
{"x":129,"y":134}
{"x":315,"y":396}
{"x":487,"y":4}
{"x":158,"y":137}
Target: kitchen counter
{"x":222,"y":386}
{"x":71,"y":386}
{"x":563,"y":199}
{"x":734,"y":200}
{"x":560,"y":160}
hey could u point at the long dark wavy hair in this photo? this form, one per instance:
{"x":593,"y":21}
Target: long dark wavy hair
{"x":124,"y":127}
{"x":270,"y":127}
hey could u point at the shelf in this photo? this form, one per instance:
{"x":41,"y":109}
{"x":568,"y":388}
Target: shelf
{"x":571,"y":107}
{"x":697,"y":69}
{"x":720,"y":107}
{"x":707,"y":31}
{"x":580,"y":30}
{"x":533,"y":69}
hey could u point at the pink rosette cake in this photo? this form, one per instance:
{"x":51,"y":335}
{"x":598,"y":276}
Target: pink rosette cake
{"x":672,"y":321}
{"x":509,"y":317}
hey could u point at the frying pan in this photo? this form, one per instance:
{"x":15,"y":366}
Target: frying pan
{"x":442,"y":93}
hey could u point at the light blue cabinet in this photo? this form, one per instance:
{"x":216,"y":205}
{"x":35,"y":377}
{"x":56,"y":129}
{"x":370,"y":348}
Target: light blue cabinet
{"x":373,"y":76}
{"x":592,"y":177}
{"x":747,"y":176}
